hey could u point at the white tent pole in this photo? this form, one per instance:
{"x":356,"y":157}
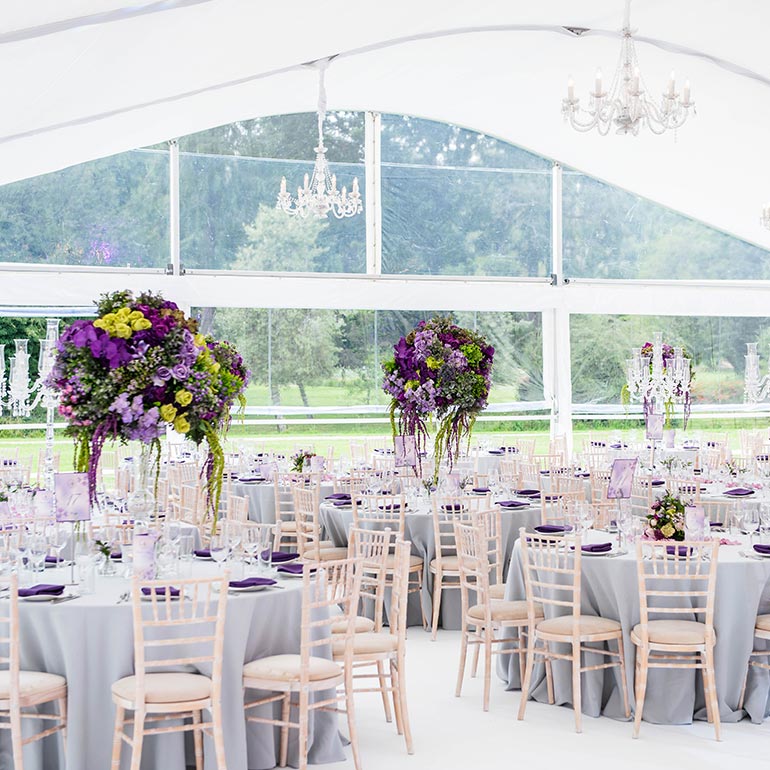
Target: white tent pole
{"x":175,"y":266}
{"x":372,"y":143}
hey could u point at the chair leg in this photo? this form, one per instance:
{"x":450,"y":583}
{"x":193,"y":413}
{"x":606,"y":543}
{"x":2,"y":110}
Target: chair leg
{"x":16,"y":739}
{"x":476,"y":653}
{"x":401,"y":666}
{"x":418,"y":586}
{"x":63,"y":721}
{"x":117,"y":740}
{"x":394,"y":688}
{"x":437,"y":580}
{"x":198,"y":741}
{"x":527,"y":674}
{"x":623,"y":680}
{"x":642,"y":670}
{"x":351,"y":715}
{"x":710,"y":687}
{"x":549,"y":674}
{"x":138,"y":738}
{"x":743,"y":689}
{"x":219,"y":736}
{"x":521,"y":654}
{"x":285,"y":714}
{"x":577,"y":700}
{"x":487,"y":665}
{"x":463,"y":658}
{"x":384,"y":691}
{"x":303,"y":725}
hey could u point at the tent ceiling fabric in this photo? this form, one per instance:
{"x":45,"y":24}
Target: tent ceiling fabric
{"x":88,"y":79}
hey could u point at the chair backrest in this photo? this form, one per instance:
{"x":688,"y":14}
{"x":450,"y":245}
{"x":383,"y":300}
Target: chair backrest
{"x":551,"y":575}
{"x":267,"y":531}
{"x":724,"y":512}
{"x":567,"y":482}
{"x":355,"y":482}
{"x":192,"y":624}
{"x":687,"y":489}
{"x":526,"y":447}
{"x":677,"y":581}
{"x":380,"y":512}
{"x":399,"y":591}
{"x":372,"y":548}
{"x":556,"y":508}
{"x":283,"y":498}
{"x":333,"y":586}
{"x":510,"y":472}
{"x":491,"y":521}
{"x":9,"y":638}
{"x":238,"y":508}
{"x":473,"y":564}
{"x":306,"y":504}
{"x":192,"y":507}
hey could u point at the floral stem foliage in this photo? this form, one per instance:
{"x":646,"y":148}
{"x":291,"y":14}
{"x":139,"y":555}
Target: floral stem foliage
{"x":139,"y":367}
{"x":438,"y":369}
{"x":666,"y":519}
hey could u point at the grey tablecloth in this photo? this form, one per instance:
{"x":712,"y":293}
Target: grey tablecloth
{"x":418,"y":529}
{"x":262,"y":498}
{"x":90,"y":642}
{"x":610,"y":589}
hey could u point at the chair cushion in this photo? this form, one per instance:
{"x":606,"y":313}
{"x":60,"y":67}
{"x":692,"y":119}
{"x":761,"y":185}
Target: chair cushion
{"x":448,"y":564}
{"x":366,"y":644}
{"x":362,"y":626}
{"x":165,"y":688}
{"x":502,"y":610}
{"x":31,"y":683}
{"x":672,"y":632}
{"x":414,"y":561}
{"x":763,"y":623}
{"x":497,"y":591}
{"x":286,"y":668}
{"x":326,"y":554}
{"x":589,"y":624}
{"x":288,"y":526}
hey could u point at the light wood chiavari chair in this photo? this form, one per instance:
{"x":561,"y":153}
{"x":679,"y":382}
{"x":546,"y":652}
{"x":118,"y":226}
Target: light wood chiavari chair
{"x":295,"y":678}
{"x":676,"y":583}
{"x":761,"y":631}
{"x":238,"y":508}
{"x":552,"y":577}
{"x":22,"y":691}
{"x":194,"y":621}
{"x":283,"y":500}
{"x":309,"y":543}
{"x":486,"y":620}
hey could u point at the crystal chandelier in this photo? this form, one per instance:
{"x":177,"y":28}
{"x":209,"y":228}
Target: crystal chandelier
{"x":755,"y":387}
{"x":661,"y":378}
{"x":319,"y":194}
{"x":626,"y":106}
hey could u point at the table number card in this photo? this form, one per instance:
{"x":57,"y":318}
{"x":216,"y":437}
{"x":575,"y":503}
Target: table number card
{"x":621,"y":478}
{"x":406,"y":451}
{"x":654,"y":427}
{"x":144,"y":556}
{"x":71,"y":496}
{"x":317,"y":464}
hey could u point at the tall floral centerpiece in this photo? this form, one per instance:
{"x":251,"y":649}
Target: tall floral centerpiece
{"x":138,"y":368}
{"x":442,"y":370}
{"x":666,"y":519}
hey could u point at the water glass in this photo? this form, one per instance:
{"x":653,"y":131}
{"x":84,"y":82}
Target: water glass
{"x":86,"y":572}
{"x":36,"y":553}
{"x":219,"y":549}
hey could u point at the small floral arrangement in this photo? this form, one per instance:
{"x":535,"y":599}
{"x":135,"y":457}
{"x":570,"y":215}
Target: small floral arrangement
{"x":141,"y":366}
{"x":298,"y":460}
{"x":438,"y":369}
{"x":666,"y":520}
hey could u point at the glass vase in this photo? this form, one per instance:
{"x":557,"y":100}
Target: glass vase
{"x":141,"y":500}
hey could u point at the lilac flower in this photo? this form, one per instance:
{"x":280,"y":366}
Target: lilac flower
{"x":163,"y":374}
{"x":181,"y":371}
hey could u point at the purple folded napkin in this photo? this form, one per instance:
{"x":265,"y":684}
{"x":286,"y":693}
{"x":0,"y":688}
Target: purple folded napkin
{"x":681,"y":550}
{"x":510,"y":449}
{"x":528,"y":492}
{"x":116,"y":555}
{"x":596,"y":547}
{"x":598,"y":443}
{"x":480,"y":490}
{"x":249,"y":479}
{"x":343,"y":502}
{"x":43,"y":589}
{"x":763,"y":457}
{"x":453,"y":507}
{"x":295,"y":568}
{"x":51,"y":560}
{"x":550,"y":529}
{"x":716,"y":524}
{"x":339,"y":496}
{"x":545,"y":473}
{"x":551,"y":498}
{"x":618,"y":446}
{"x":739,"y":492}
{"x":513,"y":504}
{"x":583,"y":475}
{"x":252,"y":582}
{"x":279,"y":557}
{"x":497,"y":451}
{"x":160,"y":591}
{"x":391,"y":507}
{"x":763,"y":549}
{"x":204,"y":553}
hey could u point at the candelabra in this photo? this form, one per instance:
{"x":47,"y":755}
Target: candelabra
{"x":755,"y":387}
{"x":658,"y":375}
{"x":20,"y":396}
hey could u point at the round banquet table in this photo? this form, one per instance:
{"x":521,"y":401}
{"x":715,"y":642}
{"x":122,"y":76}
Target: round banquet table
{"x":261,"y":495}
{"x":610,"y":589}
{"x":418,"y":529}
{"x":90,"y":642}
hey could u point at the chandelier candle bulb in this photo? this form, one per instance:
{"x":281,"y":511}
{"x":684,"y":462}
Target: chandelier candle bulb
{"x":598,"y":84}
{"x":686,"y":93}
{"x":671,"y":85}
{"x":571,"y":90}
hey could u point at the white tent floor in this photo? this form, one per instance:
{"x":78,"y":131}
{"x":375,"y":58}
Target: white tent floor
{"x":454,"y":732}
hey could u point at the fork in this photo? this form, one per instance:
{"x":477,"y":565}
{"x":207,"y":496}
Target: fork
{"x":124,"y":597}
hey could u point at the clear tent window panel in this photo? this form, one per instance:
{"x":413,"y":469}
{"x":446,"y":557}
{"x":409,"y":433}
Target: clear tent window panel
{"x":112,"y":212}
{"x":601,"y":344}
{"x":611,"y":233}
{"x":327,"y":358}
{"x":229,"y":181}
{"x":456,"y":202}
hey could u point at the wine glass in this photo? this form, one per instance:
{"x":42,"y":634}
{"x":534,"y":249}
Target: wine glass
{"x":37,"y":550}
{"x":173,"y":532}
{"x":252,"y":542}
{"x":219,"y":549}
{"x":749,"y":522}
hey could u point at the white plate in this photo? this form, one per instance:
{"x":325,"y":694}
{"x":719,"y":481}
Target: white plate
{"x":600,"y":553}
{"x":203,"y":558}
{"x":752,"y":554}
{"x":62,"y":563}
{"x":42,"y":597}
{"x":289,"y":574}
{"x":249,"y":589}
